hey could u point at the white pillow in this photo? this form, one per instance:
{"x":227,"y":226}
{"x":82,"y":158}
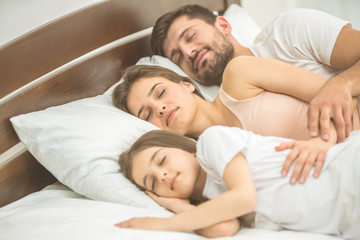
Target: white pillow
{"x":209,"y":92}
{"x":244,"y":28}
{"x":79,"y":142}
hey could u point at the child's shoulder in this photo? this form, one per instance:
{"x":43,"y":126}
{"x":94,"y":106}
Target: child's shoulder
{"x":219,"y":131}
{"x":222,"y":136}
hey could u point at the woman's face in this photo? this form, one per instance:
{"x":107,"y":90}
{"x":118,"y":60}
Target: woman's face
{"x":167,"y":172}
{"x":165,"y":104}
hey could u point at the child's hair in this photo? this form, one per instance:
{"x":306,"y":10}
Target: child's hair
{"x":155,"y":138}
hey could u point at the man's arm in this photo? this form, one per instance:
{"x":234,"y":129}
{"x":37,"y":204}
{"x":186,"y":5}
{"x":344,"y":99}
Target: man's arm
{"x":334,"y":99}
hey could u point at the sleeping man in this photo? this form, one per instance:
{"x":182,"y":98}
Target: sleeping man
{"x":201,"y":44}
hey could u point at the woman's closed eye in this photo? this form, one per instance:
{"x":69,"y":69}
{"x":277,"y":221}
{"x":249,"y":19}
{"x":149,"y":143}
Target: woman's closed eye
{"x":162,"y":161}
{"x":161,"y":93}
{"x":149,"y":113}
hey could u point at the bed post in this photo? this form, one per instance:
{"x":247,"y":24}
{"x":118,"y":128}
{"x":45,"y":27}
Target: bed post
{"x":227,"y":3}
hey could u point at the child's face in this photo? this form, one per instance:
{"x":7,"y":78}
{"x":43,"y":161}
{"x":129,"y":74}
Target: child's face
{"x":168,"y":172}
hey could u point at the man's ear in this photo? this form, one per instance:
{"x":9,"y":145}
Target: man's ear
{"x":223,"y":25}
{"x":188,"y":85}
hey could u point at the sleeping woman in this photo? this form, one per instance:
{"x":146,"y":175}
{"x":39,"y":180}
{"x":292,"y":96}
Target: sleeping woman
{"x":238,"y":171}
{"x":265,"y":96}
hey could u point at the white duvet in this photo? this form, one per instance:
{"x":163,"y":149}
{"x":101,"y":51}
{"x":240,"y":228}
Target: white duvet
{"x":59,"y":213}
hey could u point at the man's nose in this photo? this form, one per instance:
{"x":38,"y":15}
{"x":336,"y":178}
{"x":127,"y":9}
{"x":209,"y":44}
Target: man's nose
{"x":189,"y":50}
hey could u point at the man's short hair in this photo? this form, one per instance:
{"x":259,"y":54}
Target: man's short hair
{"x":163,"y":24}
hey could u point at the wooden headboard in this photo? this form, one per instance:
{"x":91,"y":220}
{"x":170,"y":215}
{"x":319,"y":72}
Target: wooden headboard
{"x":77,"y":56}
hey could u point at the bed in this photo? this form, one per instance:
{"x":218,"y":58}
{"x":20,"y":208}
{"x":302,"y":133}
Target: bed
{"x":61,"y":136}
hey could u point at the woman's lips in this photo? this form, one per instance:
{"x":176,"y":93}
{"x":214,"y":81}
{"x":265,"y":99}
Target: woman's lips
{"x":170,"y":116}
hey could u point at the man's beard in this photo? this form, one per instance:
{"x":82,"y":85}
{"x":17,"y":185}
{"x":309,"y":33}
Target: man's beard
{"x":212,"y":72}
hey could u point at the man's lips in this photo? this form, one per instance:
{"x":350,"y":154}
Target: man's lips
{"x":199,"y":59}
{"x":174,"y":181}
{"x":170,"y":115}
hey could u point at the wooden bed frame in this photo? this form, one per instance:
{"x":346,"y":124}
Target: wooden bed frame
{"x":77,"y":56}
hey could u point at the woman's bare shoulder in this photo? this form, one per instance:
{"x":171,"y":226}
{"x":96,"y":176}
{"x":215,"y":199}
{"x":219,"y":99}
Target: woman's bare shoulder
{"x":239,"y":75}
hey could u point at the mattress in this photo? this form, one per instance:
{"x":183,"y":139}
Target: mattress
{"x":56,"y":212}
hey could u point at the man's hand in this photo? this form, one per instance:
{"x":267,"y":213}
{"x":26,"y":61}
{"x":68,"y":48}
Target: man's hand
{"x":333,"y":102}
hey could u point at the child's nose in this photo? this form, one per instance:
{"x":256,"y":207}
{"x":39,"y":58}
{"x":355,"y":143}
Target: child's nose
{"x":163,"y":176}
{"x":161,"y":109}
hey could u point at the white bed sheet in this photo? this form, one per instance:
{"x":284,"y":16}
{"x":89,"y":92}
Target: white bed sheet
{"x":59,"y":213}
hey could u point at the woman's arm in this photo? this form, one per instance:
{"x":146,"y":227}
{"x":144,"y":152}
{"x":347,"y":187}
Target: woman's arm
{"x":239,"y":200}
{"x":246,"y":77}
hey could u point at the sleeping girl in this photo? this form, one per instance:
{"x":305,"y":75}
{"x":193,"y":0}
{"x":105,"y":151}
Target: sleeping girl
{"x":239,"y":172}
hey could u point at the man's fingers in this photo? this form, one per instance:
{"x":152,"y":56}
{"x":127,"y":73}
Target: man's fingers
{"x":313,"y":121}
{"x":325,"y":122}
{"x":339,"y":124}
{"x":347,"y":120}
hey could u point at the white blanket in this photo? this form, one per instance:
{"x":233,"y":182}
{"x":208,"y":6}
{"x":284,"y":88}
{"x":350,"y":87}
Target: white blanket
{"x":58,"y":213}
